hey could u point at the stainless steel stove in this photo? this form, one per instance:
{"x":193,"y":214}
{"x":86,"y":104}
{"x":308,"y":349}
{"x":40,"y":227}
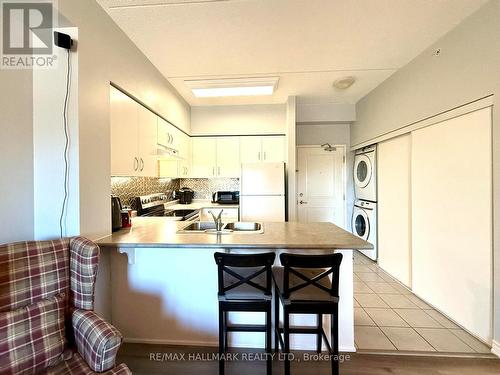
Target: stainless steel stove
{"x":154,"y":205}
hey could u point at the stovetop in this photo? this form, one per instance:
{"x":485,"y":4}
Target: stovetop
{"x":154,"y":205}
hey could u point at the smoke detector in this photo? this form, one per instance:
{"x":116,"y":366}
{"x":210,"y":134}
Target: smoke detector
{"x":344,"y":82}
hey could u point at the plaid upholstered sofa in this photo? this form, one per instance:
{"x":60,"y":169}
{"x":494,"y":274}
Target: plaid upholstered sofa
{"x":47,"y":323}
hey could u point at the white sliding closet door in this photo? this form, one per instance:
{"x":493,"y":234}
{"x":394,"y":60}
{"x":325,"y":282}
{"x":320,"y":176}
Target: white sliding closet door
{"x":394,"y":207}
{"x":452,"y":219}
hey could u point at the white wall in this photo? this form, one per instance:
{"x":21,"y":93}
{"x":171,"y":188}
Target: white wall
{"x":314,"y":134}
{"x":326,"y":113}
{"x":16,"y":151}
{"x":466,"y":69}
{"x":291,"y":176}
{"x":107,"y":55}
{"x":238,"y":120}
{"x":49,"y":89}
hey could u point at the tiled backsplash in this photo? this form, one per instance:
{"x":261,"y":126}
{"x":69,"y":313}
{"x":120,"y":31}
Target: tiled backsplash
{"x":128,"y":187}
{"x":204,"y":187}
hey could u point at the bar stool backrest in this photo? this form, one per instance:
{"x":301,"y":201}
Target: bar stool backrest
{"x":292,"y":263}
{"x":229,"y":264}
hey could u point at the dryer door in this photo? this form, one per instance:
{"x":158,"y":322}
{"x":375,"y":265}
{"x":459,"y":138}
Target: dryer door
{"x":360,"y":224}
{"x":362,"y":170}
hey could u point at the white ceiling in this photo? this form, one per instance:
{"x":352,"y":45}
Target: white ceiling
{"x":307,"y":43}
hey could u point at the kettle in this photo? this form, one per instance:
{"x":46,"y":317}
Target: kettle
{"x":116,"y":213}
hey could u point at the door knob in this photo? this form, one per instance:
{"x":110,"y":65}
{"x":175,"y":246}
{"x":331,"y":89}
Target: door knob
{"x":302,"y":202}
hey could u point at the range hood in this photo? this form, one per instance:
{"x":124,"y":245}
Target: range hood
{"x":164,"y":152}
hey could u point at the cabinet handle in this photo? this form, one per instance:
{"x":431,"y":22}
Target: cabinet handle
{"x":136,"y":163}
{"x":171,"y":138}
{"x":213,"y":171}
{"x":142,"y":164}
{"x":264,"y":155}
{"x":258,"y":155}
{"x":218,"y":171}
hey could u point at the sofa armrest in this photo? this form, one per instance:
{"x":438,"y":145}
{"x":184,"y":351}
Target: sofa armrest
{"x":96,"y":340}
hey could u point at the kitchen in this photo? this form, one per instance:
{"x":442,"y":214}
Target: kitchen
{"x":411,"y":110}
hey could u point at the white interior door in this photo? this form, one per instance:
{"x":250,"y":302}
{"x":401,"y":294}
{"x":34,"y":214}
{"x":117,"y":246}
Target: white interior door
{"x":321,"y":185}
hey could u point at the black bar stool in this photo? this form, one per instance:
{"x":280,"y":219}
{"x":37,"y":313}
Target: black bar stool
{"x":304,"y":287}
{"x":244,"y":285}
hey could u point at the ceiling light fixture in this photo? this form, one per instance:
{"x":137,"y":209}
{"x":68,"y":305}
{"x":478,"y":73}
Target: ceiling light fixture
{"x":233,"y":87}
{"x":344,"y":82}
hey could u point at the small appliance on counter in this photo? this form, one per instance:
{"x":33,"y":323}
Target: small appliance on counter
{"x":184,"y":195}
{"x":226,"y":197}
{"x":116,"y":213}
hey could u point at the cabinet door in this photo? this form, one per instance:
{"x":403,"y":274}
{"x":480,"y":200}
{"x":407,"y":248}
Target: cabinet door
{"x":273,"y":149}
{"x":162,"y":135}
{"x":146,"y":133}
{"x":228,"y":157}
{"x":185,"y":154}
{"x":204,"y":156}
{"x":124,"y":153}
{"x":250,"y":149}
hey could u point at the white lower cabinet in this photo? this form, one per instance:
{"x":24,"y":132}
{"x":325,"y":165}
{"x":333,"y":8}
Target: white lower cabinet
{"x":229,"y":214}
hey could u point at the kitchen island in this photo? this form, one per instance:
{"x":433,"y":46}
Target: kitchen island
{"x":165,"y":289}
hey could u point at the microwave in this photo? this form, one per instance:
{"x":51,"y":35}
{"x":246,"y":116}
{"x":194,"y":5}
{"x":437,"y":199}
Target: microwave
{"x":226,"y":197}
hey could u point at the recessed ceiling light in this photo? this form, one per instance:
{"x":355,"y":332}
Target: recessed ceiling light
{"x":344,"y":82}
{"x":233,"y":87}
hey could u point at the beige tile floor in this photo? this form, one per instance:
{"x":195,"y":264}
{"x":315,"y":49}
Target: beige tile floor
{"x":389,"y":317}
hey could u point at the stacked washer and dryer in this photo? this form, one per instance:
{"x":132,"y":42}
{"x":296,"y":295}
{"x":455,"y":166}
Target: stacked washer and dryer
{"x":364,"y":216}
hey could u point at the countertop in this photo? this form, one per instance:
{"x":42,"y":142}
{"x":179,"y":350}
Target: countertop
{"x":156,"y":232}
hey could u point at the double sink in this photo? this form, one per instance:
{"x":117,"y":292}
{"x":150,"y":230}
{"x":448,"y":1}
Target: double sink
{"x":236,"y":227}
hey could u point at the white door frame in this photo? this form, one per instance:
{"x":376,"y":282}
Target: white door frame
{"x":344,"y":177}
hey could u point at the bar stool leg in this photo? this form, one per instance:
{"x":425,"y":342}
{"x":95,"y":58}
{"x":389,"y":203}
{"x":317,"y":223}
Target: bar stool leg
{"x":226,"y":341}
{"x":335,"y":338}
{"x":319,"y":336}
{"x":221,"y":339}
{"x":269,"y":358}
{"x":286,"y":334}
{"x":276,"y":320}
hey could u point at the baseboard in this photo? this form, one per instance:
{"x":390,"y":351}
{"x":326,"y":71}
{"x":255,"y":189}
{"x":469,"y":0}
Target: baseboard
{"x":495,"y":348}
{"x":133,"y":340}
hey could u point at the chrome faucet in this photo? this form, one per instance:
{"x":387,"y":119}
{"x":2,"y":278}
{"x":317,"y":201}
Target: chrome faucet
{"x":217,"y":220}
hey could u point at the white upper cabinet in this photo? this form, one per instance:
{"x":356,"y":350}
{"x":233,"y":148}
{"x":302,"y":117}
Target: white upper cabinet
{"x":215,"y":157}
{"x":124,"y":146}
{"x":273,"y":149}
{"x":185,"y":155}
{"x":250,"y":149}
{"x":133,"y":137}
{"x":266,"y":149}
{"x":147,"y":136}
{"x":228,"y":157}
{"x":204,"y":156}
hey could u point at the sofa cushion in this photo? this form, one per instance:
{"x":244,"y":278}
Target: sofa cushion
{"x":76,"y":365}
{"x":32,"y":337}
{"x":31,"y":271}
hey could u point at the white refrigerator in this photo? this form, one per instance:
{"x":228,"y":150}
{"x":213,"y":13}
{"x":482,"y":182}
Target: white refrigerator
{"x":262,"y":192}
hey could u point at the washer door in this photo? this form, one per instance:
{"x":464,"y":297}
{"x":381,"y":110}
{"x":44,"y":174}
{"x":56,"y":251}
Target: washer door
{"x":361,"y":224}
{"x":362,"y":170}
